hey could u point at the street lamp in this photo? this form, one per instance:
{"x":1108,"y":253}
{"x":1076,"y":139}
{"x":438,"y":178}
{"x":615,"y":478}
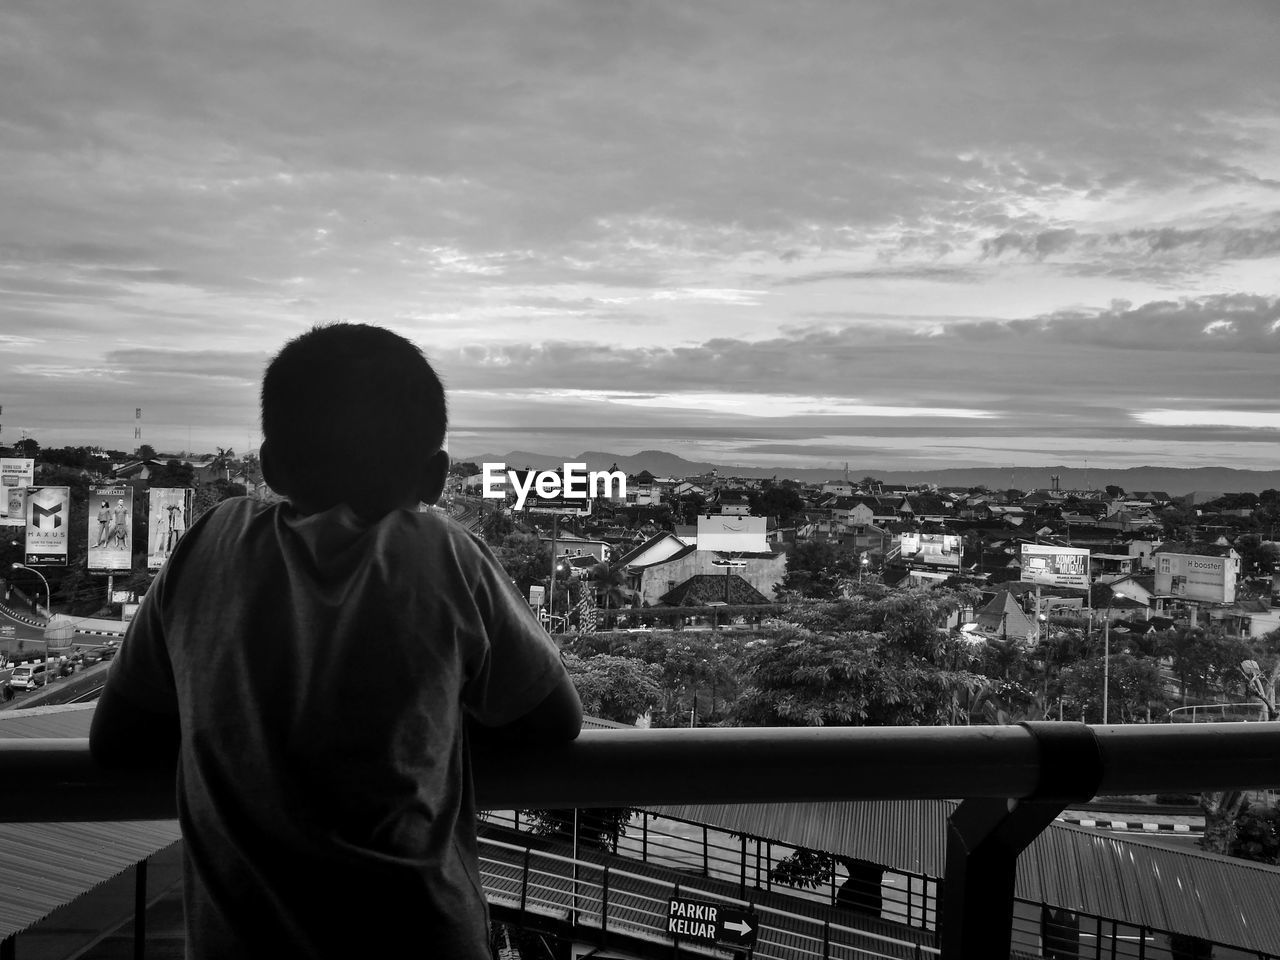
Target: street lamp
{"x":48,"y":599}
{"x":863,"y":563}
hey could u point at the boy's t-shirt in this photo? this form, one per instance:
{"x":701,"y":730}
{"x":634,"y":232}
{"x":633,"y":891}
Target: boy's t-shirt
{"x":319,"y":666}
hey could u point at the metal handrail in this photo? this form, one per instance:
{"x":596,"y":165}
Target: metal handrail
{"x":1013,"y":780}
{"x":51,"y":780}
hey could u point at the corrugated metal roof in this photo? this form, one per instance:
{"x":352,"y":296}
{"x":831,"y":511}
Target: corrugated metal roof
{"x":64,"y":720}
{"x":46,"y":865}
{"x":1137,"y":881}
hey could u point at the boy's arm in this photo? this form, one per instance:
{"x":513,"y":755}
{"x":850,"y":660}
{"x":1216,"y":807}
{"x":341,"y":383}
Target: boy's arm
{"x":557,"y":717}
{"x":520,"y":690}
{"x":135,"y":722}
{"x":124,"y":734}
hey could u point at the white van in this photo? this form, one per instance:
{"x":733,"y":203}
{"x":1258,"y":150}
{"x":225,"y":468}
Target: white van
{"x":29,"y":676}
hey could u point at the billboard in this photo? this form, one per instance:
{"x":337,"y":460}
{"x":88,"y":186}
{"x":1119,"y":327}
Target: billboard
{"x":931,"y":549}
{"x":16,"y":474}
{"x":110,"y":529}
{"x":732,"y":534}
{"x":1055,"y":566}
{"x":168,"y":513}
{"x":48,"y":515}
{"x":1211,"y":579}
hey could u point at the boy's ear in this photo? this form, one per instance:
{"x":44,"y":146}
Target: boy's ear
{"x":434,"y":474}
{"x":271,"y":473}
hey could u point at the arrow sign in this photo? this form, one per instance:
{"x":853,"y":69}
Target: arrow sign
{"x":737,"y":927}
{"x":703,"y":921}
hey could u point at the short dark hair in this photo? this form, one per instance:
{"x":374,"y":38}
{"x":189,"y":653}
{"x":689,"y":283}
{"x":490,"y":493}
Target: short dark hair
{"x":351,"y":413}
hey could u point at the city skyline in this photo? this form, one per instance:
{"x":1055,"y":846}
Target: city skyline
{"x":1031,"y":234}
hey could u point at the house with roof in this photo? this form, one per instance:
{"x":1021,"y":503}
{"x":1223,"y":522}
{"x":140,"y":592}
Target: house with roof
{"x":1247,"y":618}
{"x":857,"y":511}
{"x":644,"y":490}
{"x":734,"y":503}
{"x":1140,"y":589}
{"x":571,"y":545}
{"x":665,"y":562}
{"x":704,"y":589}
{"x":1003,"y":618}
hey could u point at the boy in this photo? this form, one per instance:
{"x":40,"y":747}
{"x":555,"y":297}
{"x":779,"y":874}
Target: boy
{"x":311,"y":663}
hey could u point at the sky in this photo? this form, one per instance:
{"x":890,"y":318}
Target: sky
{"x":807,"y":233}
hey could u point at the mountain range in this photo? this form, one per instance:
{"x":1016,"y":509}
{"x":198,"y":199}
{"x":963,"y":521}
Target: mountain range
{"x":1177,"y":481}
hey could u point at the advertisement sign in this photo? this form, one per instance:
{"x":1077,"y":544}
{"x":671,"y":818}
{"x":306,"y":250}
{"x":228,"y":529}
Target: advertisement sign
{"x":168,"y":512}
{"x":110,"y":529}
{"x":537,"y":595}
{"x":47,"y":518}
{"x":933,"y":549}
{"x":1055,"y":566}
{"x":16,"y":474}
{"x":732,"y":534}
{"x":1211,"y":579}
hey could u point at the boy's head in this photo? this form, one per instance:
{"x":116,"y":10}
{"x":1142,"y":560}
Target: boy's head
{"x":353,"y":413}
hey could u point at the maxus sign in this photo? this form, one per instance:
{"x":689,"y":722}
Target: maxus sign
{"x":553,"y":487}
{"x":705,"y":922}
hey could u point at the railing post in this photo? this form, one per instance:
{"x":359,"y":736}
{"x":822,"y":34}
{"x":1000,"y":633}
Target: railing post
{"x":985,"y":836}
{"x":644,"y":836}
{"x":826,"y":940}
{"x":524,"y":883}
{"x":140,"y":909}
{"x":706,"y":858}
{"x":742,"y":883}
{"x":604,"y":904}
{"x":1142,"y":943}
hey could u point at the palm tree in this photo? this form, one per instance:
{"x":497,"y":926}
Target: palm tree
{"x":610,"y":584}
{"x":222,"y":460}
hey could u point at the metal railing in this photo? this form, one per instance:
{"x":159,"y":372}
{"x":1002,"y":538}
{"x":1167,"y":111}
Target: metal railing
{"x":609,"y":900}
{"x":746,"y":862}
{"x":1015,"y":780}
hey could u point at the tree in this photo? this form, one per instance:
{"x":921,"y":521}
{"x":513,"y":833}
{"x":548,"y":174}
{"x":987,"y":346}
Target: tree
{"x":209,"y":495}
{"x":1134,"y":688}
{"x":526,"y":559}
{"x":174,"y":473}
{"x":222,"y":460}
{"x":1203,"y":661}
{"x":145,"y":452}
{"x":781,"y":502}
{"x":464,"y":468}
{"x":609,"y":587}
{"x":27,"y":447}
{"x":1114,"y":492}
{"x":816,"y":569}
{"x":496,"y":526}
{"x":869,"y":661}
{"x":614,"y":688}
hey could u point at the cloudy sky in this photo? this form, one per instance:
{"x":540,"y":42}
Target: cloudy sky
{"x":901,"y":235}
